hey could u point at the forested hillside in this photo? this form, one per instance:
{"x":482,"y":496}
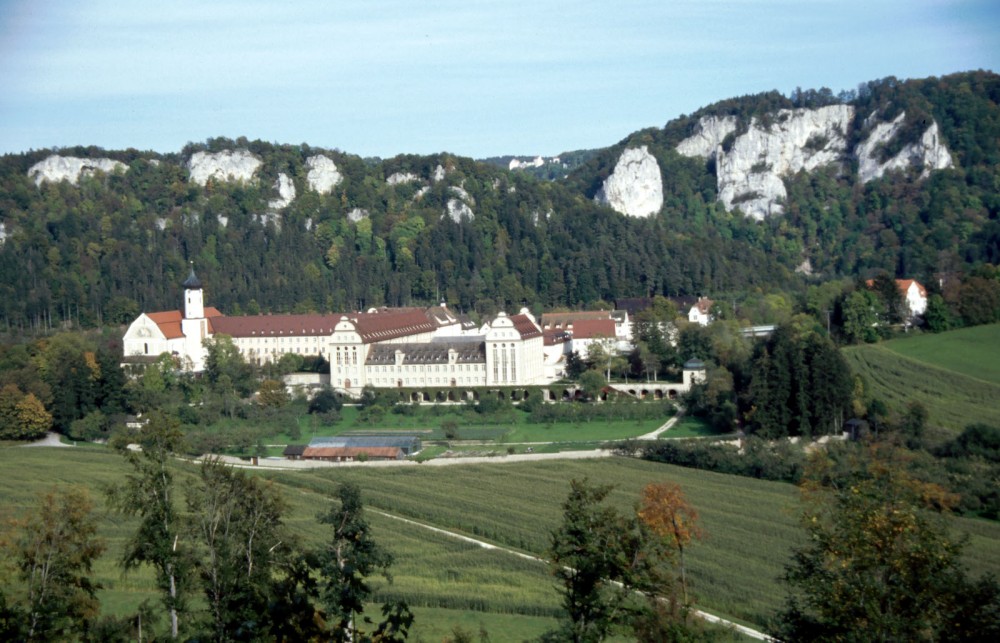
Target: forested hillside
{"x":419,"y":229}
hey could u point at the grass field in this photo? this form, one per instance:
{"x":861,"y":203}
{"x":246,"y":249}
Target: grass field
{"x":750,"y":528}
{"x":955,"y":375}
{"x":974,"y":352}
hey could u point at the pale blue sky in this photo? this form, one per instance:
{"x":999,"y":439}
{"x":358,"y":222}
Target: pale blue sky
{"x":383,"y":77}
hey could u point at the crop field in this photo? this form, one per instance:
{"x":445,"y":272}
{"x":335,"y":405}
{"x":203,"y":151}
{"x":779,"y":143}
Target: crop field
{"x":955,"y":379}
{"x":750,"y":526}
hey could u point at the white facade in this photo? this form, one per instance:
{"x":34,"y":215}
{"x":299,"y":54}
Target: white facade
{"x":408,"y":347}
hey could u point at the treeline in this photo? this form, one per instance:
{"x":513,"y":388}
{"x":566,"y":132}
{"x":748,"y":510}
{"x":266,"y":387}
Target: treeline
{"x":101,"y":251}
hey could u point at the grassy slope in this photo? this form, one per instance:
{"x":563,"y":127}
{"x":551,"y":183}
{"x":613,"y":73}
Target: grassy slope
{"x":750,"y":527}
{"x":974,"y":352}
{"x":955,"y":375}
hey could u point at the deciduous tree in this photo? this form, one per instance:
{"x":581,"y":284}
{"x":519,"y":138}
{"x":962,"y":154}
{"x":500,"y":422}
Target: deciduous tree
{"x":148,"y":493}
{"x":665,"y":510}
{"x":55,"y":552}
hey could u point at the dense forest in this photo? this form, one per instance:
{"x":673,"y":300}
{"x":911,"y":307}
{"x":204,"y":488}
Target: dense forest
{"x":114,"y":244}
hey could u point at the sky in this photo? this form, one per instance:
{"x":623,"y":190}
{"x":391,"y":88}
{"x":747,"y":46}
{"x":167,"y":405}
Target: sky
{"x":476,"y":78}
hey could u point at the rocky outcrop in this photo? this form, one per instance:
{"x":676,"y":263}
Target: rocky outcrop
{"x":357,"y":214}
{"x":708,"y":136}
{"x":3,"y":232}
{"x":57,"y":168}
{"x":438,"y":174}
{"x":750,"y":173}
{"x":323,"y":174}
{"x":458,"y":209}
{"x":227,"y":165}
{"x":402,"y":177}
{"x":286,"y":193}
{"x":635,"y":187}
{"x":928,"y":153}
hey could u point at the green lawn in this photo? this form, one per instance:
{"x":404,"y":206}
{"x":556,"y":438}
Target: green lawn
{"x":973,"y":352}
{"x":426,"y":422}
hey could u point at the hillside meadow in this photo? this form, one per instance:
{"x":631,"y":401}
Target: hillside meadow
{"x":955,"y":375}
{"x":750,"y":527}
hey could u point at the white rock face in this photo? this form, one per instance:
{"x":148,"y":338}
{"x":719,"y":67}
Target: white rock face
{"x":421,"y":192}
{"x":929,"y":152}
{"x":162,"y":223}
{"x":750,"y":174}
{"x":286,"y":193}
{"x":3,"y":232}
{"x":357,"y":214}
{"x":438,"y":174}
{"x":268,"y":217}
{"x":635,"y":188}
{"x":223,"y":220}
{"x":69,"y":168}
{"x":402,"y":177}
{"x":462,"y":194}
{"x":712,"y":130}
{"x":458,"y":209}
{"x":227,"y":165}
{"x":323,"y":174}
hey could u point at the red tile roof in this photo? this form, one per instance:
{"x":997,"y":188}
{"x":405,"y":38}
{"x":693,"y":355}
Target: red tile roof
{"x":276,"y":325}
{"x":527,"y":328}
{"x":352,"y":452}
{"x":593,"y":328}
{"x":169,"y":323}
{"x":390,"y":324}
{"x":562,"y":320}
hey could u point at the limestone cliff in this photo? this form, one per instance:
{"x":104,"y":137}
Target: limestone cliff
{"x":750,"y":173}
{"x":286,"y":193}
{"x":928,"y":153}
{"x":57,"y":168}
{"x":323,"y":174}
{"x":635,"y":187}
{"x":227,"y":165}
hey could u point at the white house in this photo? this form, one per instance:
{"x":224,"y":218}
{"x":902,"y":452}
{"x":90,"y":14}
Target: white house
{"x":700,"y":312}
{"x":915,"y":295}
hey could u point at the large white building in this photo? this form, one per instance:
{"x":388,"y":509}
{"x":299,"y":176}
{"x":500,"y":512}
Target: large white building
{"x":384,"y":348}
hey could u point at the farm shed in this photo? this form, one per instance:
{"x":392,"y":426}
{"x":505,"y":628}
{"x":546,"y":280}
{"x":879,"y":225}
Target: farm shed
{"x":408,"y":444}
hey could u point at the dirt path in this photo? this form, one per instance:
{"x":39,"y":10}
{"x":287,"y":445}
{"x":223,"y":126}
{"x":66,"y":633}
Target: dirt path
{"x":50,"y":440}
{"x":711,"y":618}
{"x":655,"y":435}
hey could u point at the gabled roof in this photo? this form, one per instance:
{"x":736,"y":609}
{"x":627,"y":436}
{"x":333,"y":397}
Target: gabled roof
{"x":277,"y":325}
{"x":169,"y":321}
{"x":554,"y":337}
{"x":562,"y":320}
{"x":593,"y":328}
{"x":704,"y":305}
{"x":428,"y":353}
{"x":352,"y":452}
{"x":525,"y":327}
{"x":904,"y":285}
{"x":390,"y":324}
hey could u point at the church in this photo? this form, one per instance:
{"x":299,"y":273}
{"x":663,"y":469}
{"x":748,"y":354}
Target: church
{"x":381,"y":347}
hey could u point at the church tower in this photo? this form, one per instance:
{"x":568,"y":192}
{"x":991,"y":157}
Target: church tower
{"x":194,"y":326}
{"x":194,"y":302}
